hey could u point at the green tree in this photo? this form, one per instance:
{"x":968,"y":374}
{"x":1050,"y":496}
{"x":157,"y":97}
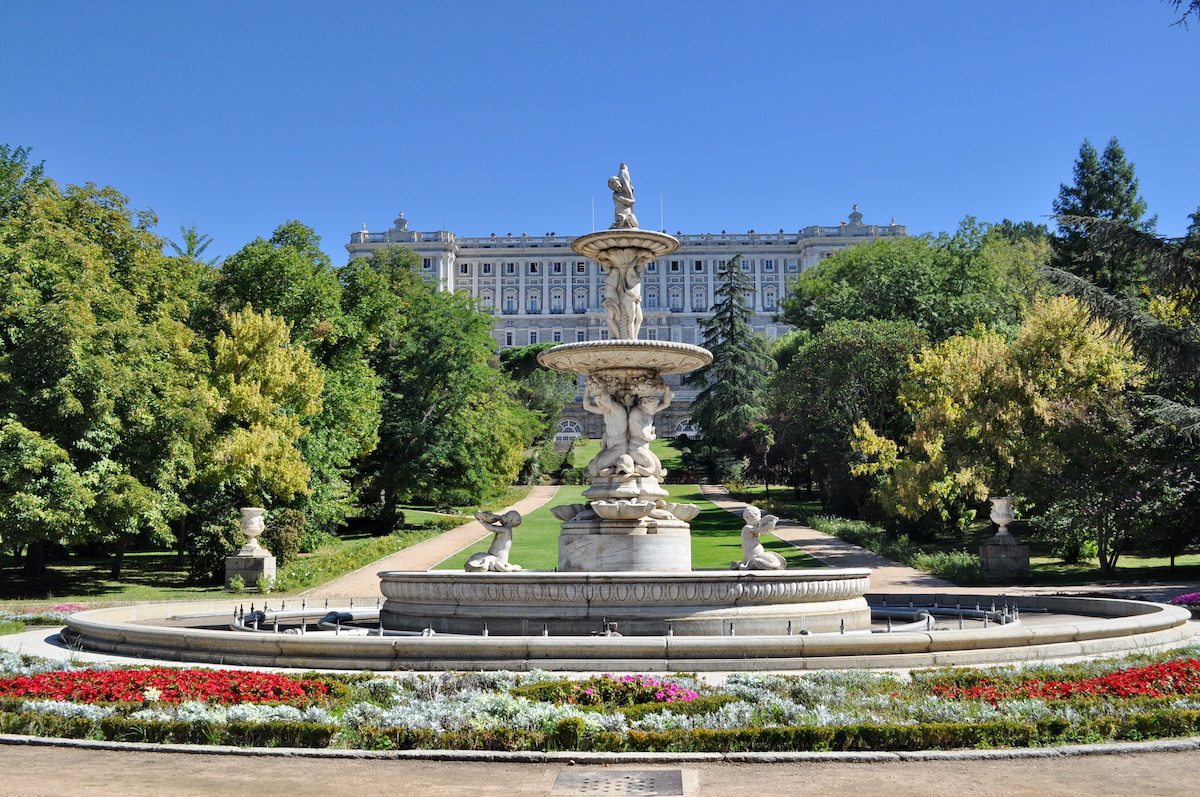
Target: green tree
{"x":16,"y":176}
{"x":194,"y":246}
{"x":100,"y":377}
{"x":1162,"y":324}
{"x":452,"y":431}
{"x":945,"y":284}
{"x":267,"y":387}
{"x":991,"y":417}
{"x":733,"y":387}
{"x":290,"y":276}
{"x":1104,"y":187}
{"x":848,"y":372}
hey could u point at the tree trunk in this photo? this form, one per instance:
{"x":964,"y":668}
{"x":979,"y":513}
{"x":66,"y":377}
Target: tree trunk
{"x":118,"y":560}
{"x":35,"y":559}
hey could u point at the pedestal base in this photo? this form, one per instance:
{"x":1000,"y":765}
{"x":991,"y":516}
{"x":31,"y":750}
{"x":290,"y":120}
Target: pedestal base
{"x":251,"y":566}
{"x":1004,"y":558}
{"x":646,"y":544}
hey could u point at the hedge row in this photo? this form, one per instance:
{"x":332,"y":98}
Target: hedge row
{"x":570,"y":734}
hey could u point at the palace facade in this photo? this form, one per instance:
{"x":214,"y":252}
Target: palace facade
{"x":540,"y":291}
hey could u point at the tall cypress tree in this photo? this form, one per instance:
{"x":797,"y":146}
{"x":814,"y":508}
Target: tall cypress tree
{"x":1105,"y":188}
{"x":734,"y":384}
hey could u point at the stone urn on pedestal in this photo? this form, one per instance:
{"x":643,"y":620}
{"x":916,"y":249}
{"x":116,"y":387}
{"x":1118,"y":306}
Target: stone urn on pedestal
{"x":251,"y":562}
{"x":1003,"y":557}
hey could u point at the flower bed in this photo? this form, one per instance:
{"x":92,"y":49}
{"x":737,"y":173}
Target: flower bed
{"x":163,"y":684}
{"x":1135,"y":698}
{"x":1167,"y":679}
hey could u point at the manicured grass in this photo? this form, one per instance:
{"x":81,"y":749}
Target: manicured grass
{"x":11,"y":627}
{"x":780,"y":501}
{"x":158,"y":576}
{"x":535,"y":541}
{"x":664,"y":448}
{"x":716,"y":535}
{"x":146,"y":576}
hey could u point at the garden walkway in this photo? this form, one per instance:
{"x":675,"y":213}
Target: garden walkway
{"x":888,"y":576}
{"x":364,"y":582}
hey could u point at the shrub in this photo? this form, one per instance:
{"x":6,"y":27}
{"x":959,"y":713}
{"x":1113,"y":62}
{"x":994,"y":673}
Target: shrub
{"x":960,"y":567}
{"x":210,"y":544}
{"x":284,"y":534}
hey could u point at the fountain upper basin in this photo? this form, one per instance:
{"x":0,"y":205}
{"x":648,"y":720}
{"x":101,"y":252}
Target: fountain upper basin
{"x":662,"y":356}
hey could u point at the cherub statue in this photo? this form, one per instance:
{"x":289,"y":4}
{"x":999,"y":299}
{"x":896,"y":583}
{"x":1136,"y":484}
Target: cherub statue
{"x":622,"y":189}
{"x":648,"y":398}
{"x":754,"y":556}
{"x":496,"y":558}
{"x":599,"y":397}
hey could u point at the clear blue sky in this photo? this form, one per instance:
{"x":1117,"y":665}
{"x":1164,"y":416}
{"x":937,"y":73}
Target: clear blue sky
{"x":509,"y":117}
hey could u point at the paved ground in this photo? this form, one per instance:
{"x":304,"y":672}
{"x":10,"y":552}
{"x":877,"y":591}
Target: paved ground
{"x":70,"y":772}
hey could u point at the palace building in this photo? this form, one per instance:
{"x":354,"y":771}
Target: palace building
{"x":542,"y":292}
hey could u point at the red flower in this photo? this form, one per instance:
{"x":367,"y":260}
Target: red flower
{"x":171,"y":686}
{"x":1179,"y":677}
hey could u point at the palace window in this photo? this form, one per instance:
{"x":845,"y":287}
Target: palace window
{"x":510,"y":268}
{"x":557,"y":268}
{"x":487,"y":268}
{"x":533,"y":337}
{"x":675,"y":265}
{"x":426,"y":263}
{"x":463,"y":268}
{"x":652,"y":298}
{"x":581,"y":268}
{"x":533,"y":302}
{"x":697,"y":265}
{"x":508,"y":338}
{"x":533,"y":268}
{"x":768,"y":265}
{"x":567,"y":430}
{"x":580,"y":336}
{"x":557,"y":336}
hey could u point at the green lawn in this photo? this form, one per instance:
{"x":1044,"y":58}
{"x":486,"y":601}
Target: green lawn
{"x":716,"y":536}
{"x":162,"y":576}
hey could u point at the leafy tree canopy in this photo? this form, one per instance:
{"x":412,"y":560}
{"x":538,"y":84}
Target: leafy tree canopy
{"x":944,"y":284}
{"x":991,"y":417}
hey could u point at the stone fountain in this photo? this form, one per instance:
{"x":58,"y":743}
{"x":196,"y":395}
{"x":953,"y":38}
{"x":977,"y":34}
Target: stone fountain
{"x":624,"y":556}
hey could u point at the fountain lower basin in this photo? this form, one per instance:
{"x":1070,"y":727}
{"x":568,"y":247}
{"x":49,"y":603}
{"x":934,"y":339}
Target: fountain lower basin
{"x":698,"y":603}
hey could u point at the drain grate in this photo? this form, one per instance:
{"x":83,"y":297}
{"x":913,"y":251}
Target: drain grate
{"x":647,"y":782}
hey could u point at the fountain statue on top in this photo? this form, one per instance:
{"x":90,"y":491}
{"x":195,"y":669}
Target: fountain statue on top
{"x":626,"y":525}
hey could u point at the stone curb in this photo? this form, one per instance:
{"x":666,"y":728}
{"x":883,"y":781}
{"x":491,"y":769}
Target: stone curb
{"x":568,"y":758}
